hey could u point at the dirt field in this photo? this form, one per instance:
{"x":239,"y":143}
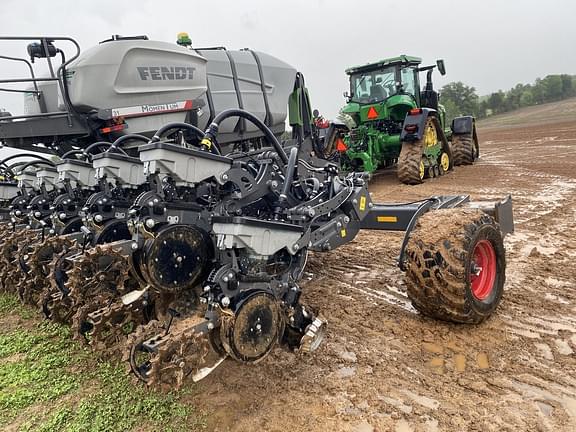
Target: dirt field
{"x":383,"y":367}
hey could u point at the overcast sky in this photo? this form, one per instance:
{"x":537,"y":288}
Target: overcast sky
{"x":489,"y":44}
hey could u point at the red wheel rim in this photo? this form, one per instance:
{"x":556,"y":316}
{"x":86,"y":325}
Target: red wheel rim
{"x":483,"y":270}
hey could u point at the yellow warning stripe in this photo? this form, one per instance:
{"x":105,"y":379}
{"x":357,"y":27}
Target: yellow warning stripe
{"x":389,"y":219}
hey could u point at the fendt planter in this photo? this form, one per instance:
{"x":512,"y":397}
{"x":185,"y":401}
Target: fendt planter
{"x":190,"y":248}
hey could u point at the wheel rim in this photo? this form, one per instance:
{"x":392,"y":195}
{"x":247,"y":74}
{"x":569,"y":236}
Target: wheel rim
{"x":422,"y":170}
{"x":445,"y":161}
{"x":483,"y":270}
{"x":430,"y":137}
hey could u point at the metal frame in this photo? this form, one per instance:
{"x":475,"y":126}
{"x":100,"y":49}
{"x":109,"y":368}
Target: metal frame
{"x":58,"y":76}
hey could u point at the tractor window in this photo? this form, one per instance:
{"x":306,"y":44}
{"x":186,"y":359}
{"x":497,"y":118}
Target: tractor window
{"x":408,"y":81}
{"x":373,"y":87}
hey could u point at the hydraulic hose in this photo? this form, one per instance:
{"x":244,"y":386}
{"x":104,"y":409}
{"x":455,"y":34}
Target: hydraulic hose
{"x":72,"y":153}
{"x":39,"y":162}
{"x":212,"y":131}
{"x":176,"y":125}
{"x":86,"y":151}
{"x":3,"y":161}
{"x":116,"y":144}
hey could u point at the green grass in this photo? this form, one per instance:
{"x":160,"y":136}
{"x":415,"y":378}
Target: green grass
{"x":49,"y":383}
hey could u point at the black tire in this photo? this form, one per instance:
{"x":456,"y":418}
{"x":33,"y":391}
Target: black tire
{"x":463,"y":149}
{"x":408,"y":170}
{"x":439,"y":258}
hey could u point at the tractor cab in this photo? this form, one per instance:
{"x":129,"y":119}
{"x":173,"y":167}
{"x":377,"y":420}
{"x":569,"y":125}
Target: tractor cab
{"x":387,"y":89}
{"x":382,"y":80}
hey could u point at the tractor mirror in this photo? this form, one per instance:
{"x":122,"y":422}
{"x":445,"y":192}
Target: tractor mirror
{"x":315,"y":113}
{"x":441,"y":67}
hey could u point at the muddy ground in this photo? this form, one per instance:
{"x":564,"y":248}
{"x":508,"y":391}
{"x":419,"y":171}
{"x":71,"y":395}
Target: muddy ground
{"x":383,"y":367}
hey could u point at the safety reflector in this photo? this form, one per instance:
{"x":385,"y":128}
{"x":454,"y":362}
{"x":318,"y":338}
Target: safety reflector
{"x":387,"y":219}
{"x":341,"y":145}
{"x":114,"y":128}
{"x":415,"y":111}
{"x":372,"y":113}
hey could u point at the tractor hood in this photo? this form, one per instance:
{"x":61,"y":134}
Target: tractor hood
{"x":394,"y":108}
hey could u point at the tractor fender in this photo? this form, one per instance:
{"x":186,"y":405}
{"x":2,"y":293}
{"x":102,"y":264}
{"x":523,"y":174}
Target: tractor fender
{"x":419,"y":119}
{"x":463,"y":125}
{"x":413,"y":127}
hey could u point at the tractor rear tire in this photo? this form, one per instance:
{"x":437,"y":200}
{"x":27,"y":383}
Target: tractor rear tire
{"x":464,"y":149}
{"x":409,"y":170}
{"x":455,"y":269}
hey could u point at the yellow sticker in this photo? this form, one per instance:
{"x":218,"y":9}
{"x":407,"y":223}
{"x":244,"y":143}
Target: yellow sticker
{"x":390,"y":219}
{"x":342,"y":232}
{"x":362,"y":203}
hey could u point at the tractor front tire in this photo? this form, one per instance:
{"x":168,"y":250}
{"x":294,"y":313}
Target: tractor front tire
{"x":455,"y":265}
{"x":464,"y":149}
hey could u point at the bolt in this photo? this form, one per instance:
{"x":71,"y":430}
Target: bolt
{"x":179,"y":259}
{"x":225,"y":279}
{"x":295,"y":247}
{"x":207,"y":288}
{"x":224,"y":177}
{"x":210,"y":326}
{"x":225,"y":301}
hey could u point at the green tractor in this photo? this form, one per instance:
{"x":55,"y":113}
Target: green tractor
{"x":396,"y":123}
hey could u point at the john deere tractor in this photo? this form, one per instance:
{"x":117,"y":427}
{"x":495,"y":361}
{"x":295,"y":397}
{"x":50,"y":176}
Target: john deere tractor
{"x":396,"y":123}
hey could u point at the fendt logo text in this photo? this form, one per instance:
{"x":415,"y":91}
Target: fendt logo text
{"x":161,"y":73}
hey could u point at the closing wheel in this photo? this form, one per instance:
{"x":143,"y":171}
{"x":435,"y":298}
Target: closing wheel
{"x":254,"y":329}
{"x":456,"y":265}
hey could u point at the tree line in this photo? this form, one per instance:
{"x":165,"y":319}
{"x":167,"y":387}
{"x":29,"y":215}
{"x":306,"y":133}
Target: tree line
{"x":460,"y":99}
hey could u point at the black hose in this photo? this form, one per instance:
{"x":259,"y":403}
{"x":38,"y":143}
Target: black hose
{"x":177,"y":125}
{"x":3,"y":161}
{"x":100,"y":144}
{"x":96,"y":144}
{"x":40,"y":162}
{"x":134,"y":136}
{"x":71,"y":153}
{"x":212,"y":131}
